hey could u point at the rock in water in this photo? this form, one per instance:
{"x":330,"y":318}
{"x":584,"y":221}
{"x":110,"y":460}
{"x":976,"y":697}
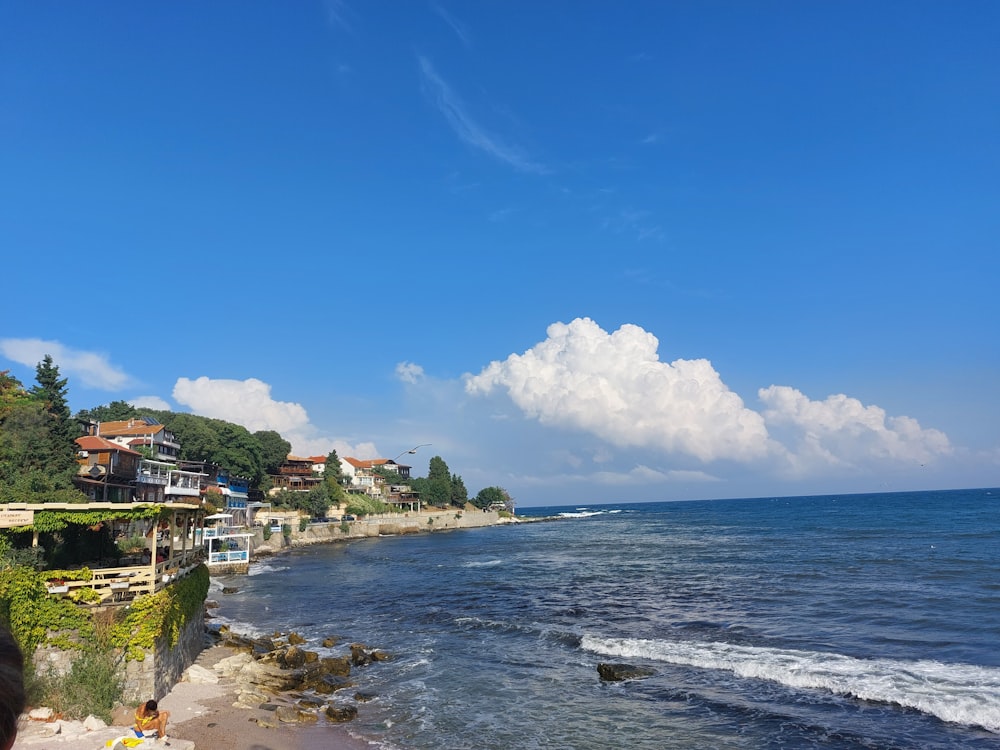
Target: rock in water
{"x":620,"y":672}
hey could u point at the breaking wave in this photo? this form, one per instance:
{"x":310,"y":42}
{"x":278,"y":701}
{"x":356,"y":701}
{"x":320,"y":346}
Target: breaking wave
{"x":958,"y":693}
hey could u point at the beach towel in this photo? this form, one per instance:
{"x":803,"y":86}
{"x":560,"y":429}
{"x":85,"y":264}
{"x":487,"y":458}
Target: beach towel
{"x":127,"y":742}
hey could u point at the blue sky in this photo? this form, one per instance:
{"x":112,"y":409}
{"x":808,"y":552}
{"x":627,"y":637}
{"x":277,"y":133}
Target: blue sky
{"x":589,"y":251}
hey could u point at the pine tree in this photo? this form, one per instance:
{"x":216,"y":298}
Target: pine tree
{"x":57,"y":450}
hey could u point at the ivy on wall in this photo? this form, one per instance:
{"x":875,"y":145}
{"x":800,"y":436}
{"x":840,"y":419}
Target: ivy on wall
{"x":161,"y":615}
{"x":32,"y":614}
{"x":35,"y":618}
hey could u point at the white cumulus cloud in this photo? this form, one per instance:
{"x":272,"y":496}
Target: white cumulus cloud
{"x":246,"y":402}
{"x":408,"y":372}
{"x":249,"y":403}
{"x":842,"y":431}
{"x":614,"y":386}
{"x":150,"y":402}
{"x":92,"y":369}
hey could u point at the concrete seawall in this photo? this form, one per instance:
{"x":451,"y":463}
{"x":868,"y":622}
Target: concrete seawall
{"x":384,"y":524}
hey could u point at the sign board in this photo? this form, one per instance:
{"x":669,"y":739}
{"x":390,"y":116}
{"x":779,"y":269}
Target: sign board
{"x":11,"y":518}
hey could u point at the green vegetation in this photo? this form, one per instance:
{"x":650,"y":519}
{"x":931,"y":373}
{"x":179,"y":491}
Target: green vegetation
{"x":95,"y":681}
{"x":160,"y":615}
{"x":363,"y":505}
{"x":496,"y":497}
{"x":441,"y":488}
{"x":37,"y":453}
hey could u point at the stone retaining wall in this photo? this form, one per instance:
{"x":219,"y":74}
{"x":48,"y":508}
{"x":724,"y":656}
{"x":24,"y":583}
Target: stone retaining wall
{"x":154,"y":676}
{"x":385,"y":524}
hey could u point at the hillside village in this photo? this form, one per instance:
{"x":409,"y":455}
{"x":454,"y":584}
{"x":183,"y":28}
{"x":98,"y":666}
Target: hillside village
{"x":136,"y":460}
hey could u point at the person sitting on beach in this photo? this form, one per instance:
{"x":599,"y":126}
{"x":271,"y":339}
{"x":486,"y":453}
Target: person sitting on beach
{"x":149,"y":718}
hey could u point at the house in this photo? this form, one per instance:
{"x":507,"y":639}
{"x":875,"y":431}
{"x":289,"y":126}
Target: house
{"x":107,"y":470}
{"x":140,"y":431}
{"x":360,"y":477}
{"x":363,"y":479}
{"x":234,"y":489}
{"x":295,"y":474}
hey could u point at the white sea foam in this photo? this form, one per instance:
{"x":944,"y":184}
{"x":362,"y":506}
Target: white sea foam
{"x":482,"y":563}
{"x":257,"y":568}
{"x":959,"y":693}
{"x":240,"y":628}
{"x":581,"y":513}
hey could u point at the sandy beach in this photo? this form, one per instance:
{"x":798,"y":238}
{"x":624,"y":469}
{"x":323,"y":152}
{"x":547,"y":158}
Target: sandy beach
{"x":202,"y":716}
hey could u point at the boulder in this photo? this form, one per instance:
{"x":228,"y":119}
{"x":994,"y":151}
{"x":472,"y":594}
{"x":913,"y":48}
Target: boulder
{"x":336,"y":665}
{"x":360,"y":655}
{"x":93,"y":724}
{"x":341,"y":714}
{"x":294,"y":639}
{"x":287,"y":714}
{"x":620,"y":672}
{"x":232,"y":665}
{"x":268,"y":677}
{"x":329,"y":683}
{"x":292,"y":657}
{"x":199,"y":675}
{"x":249,"y":698}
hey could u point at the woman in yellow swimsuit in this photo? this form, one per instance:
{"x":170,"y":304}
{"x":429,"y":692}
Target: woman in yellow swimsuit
{"x":148,"y":718}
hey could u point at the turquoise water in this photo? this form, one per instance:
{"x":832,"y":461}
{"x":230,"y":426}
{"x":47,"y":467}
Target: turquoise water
{"x":852,"y":621}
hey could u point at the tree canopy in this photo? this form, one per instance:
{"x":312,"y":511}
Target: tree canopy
{"x":37,"y":452}
{"x":274,"y":450}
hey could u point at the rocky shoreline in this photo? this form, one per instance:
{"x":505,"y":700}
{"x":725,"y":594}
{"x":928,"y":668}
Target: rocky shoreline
{"x":288,"y":696}
{"x":285,"y":696}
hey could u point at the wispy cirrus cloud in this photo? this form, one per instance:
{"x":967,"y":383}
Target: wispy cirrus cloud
{"x":460,"y":29}
{"x":466,"y":128}
{"x":92,"y":368}
{"x":338,"y":14}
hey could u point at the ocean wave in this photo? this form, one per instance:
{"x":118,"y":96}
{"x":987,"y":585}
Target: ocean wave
{"x":582,"y":513}
{"x":245,"y":629}
{"x":958,"y":693}
{"x":482,"y":563}
{"x":257,"y":568}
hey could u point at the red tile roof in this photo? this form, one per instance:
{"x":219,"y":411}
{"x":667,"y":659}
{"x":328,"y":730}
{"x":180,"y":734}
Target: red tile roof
{"x":97,"y":443}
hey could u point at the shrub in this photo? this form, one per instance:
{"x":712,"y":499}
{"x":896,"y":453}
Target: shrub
{"x":93,"y":686}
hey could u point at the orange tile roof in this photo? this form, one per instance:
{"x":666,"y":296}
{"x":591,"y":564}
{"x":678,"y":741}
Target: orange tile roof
{"x":97,"y":443}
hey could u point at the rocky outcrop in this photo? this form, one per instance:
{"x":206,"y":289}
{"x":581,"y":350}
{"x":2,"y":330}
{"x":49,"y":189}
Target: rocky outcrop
{"x":621,"y":672}
{"x":278,"y":673}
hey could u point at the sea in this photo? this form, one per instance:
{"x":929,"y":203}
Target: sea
{"x":838,"y":621}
